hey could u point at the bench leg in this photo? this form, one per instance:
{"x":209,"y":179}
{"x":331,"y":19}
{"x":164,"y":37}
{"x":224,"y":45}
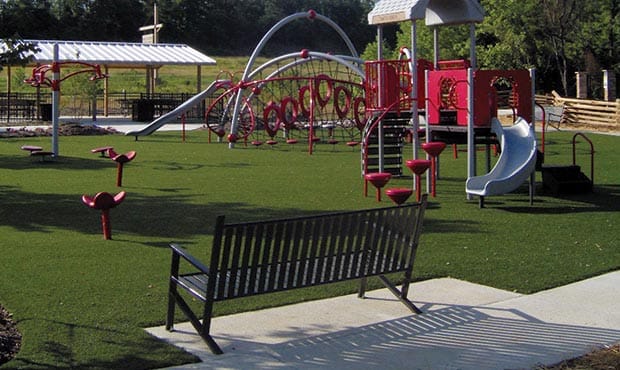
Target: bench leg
{"x":362,"y":289}
{"x":174,"y":298}
{"x":171,"y":307}
{"x":172,"y":290}
{"x":401,"y":295}
{"x":201,"y":328}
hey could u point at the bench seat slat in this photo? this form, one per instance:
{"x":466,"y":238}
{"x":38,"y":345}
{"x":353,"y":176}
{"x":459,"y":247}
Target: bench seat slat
{"x":275,"y":255}
{"x":197,"y":282}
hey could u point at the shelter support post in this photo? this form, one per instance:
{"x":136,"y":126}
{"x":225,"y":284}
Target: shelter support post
{"x":55,"y":101}
{"x":198,"y":79}
{"x":106,"y":90}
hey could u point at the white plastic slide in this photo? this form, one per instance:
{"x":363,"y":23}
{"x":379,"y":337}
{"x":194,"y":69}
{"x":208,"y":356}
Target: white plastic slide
{"x":516,"y":162}
{"x":173,"y":114}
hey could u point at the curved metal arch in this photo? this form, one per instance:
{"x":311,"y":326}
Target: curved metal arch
{"x":349,"y":63}
{"x":311,"y":14}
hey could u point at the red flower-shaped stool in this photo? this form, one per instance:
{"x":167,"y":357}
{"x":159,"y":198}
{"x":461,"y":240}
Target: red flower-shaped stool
{"x":433,"y":149}
{"x":104,"y":202}
{"x":399,"y":195}
{"x":418,"y":167}
{"x":120,"y":160}
{"x":378,"y":179}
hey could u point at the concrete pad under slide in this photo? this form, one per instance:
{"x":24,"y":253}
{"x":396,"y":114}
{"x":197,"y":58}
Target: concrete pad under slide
{"x":464,"y":326}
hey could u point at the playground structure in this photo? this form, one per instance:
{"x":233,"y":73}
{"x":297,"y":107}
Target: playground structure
{"x":306,"y":96}
{"x":459,"y":103}
{"x":312,"y":96}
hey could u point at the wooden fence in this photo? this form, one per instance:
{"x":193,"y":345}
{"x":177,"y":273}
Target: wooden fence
{"x":592,"y":114}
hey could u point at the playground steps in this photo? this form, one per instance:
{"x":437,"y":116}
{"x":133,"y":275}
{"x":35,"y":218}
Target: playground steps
{"x":565,"y":179}
{"x":395,"y":127}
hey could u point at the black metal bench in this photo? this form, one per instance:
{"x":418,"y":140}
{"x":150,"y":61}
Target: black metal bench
{"x":276,"y":255}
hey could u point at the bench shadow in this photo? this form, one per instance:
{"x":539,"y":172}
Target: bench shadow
{"x":453,"y":336}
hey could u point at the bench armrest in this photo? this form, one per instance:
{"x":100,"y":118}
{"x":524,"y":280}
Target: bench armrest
{"x":178,"y":250}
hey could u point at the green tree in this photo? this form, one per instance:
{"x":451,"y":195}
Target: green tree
{"x":28,"y":18}
{"x":557,"y":37}
{"x":14,"y":51}
{"x":504,"y":40}
{"x":453,"y":41}
{"x":560,"y":25}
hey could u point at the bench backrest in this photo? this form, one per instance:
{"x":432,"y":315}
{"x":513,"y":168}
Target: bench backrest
{"x":268,"y":256}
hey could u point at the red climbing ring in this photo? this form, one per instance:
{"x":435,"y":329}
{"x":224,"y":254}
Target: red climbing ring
{"x":213,"y":112}
{"x":272,"y":107}
{"x":246,"y":120}
{"x":328,"y":91}
{"x":342,"y":111}
{"x":302,"y":100}
{"x":359,"y":114}
{"x":288,"y":120}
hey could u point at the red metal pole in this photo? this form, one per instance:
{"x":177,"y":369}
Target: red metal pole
{"x":418,"y":191}
{"x":311,"y":128}
{"x":105,"y":223}
{"x":119,"y":174}
{"x":433,"y":176}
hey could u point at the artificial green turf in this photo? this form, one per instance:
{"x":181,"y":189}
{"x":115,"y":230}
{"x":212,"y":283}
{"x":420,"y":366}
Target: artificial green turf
{"x":82,"y":302}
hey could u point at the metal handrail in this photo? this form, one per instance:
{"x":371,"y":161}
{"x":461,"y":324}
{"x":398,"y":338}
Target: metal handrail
{"x":544,"y":128}
{"x":591,"y":153}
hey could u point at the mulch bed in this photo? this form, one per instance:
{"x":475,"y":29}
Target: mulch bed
{"x":64,"y":129}
{"x":10,"y":337}
{"x":606,"y":358}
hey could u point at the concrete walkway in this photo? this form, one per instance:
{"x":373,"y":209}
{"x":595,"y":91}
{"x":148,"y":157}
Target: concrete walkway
{"x":464,"y":326}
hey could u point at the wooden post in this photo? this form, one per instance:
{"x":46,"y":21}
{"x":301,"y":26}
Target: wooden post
{"x":582,"y":85}
{"x":609,"y":85}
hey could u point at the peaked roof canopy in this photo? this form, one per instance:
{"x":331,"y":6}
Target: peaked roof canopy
{"x":118,"y":54}
{"x":434,"y":12}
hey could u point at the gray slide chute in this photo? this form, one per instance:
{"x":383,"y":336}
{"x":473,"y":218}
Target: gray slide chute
{"x":173,"y":114}
{"x":516,"y":162}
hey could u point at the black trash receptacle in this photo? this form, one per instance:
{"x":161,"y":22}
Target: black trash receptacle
{"x":143,"y":110}
{"x":46,"y":112}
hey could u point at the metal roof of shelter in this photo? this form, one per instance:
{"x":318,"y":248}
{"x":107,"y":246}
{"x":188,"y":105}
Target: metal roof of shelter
{"x":119,"y":54}
{"x":434,"y":12}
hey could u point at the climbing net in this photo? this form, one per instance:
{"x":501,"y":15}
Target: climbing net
{"x":306,"y":96}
